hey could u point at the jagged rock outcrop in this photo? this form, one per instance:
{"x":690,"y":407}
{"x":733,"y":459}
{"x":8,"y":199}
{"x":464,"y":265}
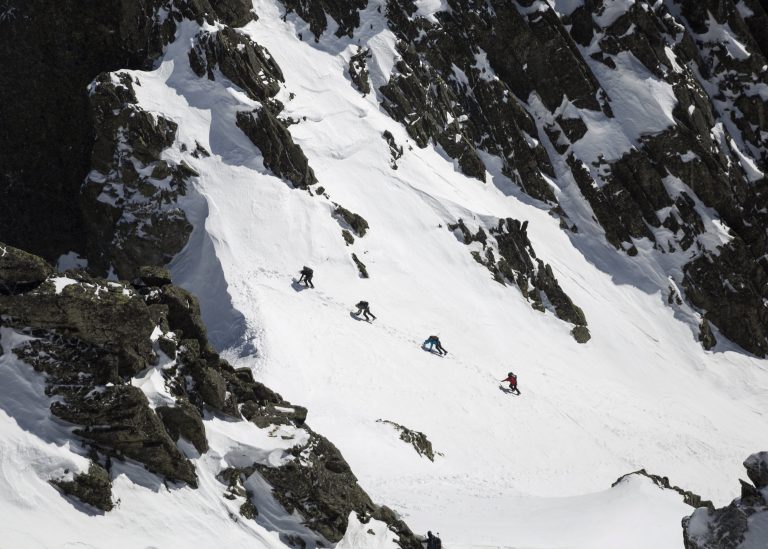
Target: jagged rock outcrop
{"x":281,"y":155}
{"x":130,"y":197}
{"x":238,"y":58}
{"x":689,"y":498}
{"x":21,"y":271}
{"x":358,"y":70}
{"x":346,"y":13}
{"x":740,"y":525}
{"x":91,"y":337}
{"x":507,"y":252}
{"x":417,"y":439}
{"x":93,"y":487}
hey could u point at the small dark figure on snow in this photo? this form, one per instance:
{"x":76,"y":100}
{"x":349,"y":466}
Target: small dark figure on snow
{"x":363,"y":307}
{"x":433,"y":542}
{"x":512,"y":379}
{"x":434,"y":341}
{"x":306,"y":276}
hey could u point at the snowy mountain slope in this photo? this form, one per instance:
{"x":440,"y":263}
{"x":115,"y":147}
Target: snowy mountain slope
{"x":640,"y":393}
{"x":528,"y":471}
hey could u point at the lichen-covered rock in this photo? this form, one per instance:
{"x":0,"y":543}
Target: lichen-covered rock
{"x":240,"y":59}
{"x":151,"y":275}
{"x":21,"y":271}
{"x":183,"y":420}
{"x":93,"y":487}
{"x":281,"y":155}
{"x":745,"y":517}
{"x":119,"y":420}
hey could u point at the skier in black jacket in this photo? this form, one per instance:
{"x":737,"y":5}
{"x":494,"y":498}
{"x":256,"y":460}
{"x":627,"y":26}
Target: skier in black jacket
{"x":363,"y":307}
{"x":306,"y":276}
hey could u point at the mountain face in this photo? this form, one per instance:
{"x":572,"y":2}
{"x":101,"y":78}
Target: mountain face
{"x":573,"y":190}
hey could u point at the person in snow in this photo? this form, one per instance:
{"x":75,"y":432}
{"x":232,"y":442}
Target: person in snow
{"x":512,"y":379}
{"x":306,"y":276}
{"x":434,"y":341}
{"x":433,"y":542}
{"x":363,"y":307}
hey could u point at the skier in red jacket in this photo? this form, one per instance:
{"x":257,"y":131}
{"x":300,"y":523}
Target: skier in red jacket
{"x":512,"y":379}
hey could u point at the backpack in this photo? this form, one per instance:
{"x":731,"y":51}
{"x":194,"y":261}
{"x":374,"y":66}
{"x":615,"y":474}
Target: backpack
{"x":307,"y":271}
{"x":363,"y":305}
{"x":438,"y":543}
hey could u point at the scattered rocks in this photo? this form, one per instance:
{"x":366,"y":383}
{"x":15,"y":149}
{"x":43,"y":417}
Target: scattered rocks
{"x":345,"y":12}
{"x":184,"y":420}
{"x":351,"y":220}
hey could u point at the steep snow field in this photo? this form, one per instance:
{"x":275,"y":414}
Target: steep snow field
{"x":641,"y":393}
{"x":527,"y":471}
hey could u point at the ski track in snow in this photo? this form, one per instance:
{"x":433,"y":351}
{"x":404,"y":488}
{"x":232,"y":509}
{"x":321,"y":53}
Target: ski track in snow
{"x":527,"y":471}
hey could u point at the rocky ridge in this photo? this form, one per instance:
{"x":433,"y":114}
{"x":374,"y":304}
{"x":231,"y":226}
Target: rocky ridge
{"x":91,"y":338}
{"x":740,"y":525}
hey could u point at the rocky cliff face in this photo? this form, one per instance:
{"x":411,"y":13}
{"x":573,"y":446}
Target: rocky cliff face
{"x":649,"y":119}
{"x":740,"y":525}
{"x":92,"y":339}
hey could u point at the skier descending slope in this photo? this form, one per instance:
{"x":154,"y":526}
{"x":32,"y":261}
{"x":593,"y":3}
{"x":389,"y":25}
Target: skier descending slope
{"x":512,"y":379}
{"x":363,"y":307}
{"x":434,"y":341}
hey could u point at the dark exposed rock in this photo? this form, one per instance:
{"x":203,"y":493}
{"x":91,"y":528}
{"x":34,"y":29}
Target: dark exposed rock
{"x":417,"y":439}
{"x":133,"y":217}
{"x":706,"y":337}
{"x":358,"y":70}
{"x":728,"y":527}
{"x":154,"y":276}
{"x":183,"y":420}
{"x":21,"y":271}
{"x":395,"y":150}
{"x":240,"y":59}
{"x":757,"y":469}
{"x":118,"y":419}
{"x":581,"y":334}
{"x":352,"y":220}
{"x":360,"y":266}
{"x":235,"y":13}
{"x":345,"y":12}
{"x":93,"y":487}
{"x":51,"y":51}
{"x":347,"y":236}
{"x":281,"y":155}
{"x":325,"y":492}
{"x":517,"y":263}
{"x":689,"y":498}
{"x":731,"y":287}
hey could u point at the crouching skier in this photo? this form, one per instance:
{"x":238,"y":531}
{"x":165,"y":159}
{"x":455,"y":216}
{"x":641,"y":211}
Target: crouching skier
{"x":434,"y":341}
{"x":363,"y":307}
{"x":306,"y":276}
